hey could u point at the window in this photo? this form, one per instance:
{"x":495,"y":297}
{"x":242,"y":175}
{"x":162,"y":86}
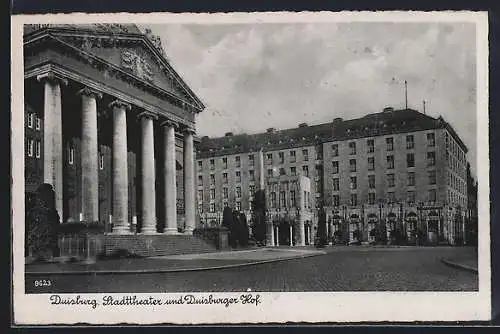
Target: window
{"x":273,"y":199}
{"x":212,"y":164}
{"x":251,"y":160}
{"x":371,"y":181}
{"x":224,"y":162}
{"x":335,"y":150}
{"x":224,"y":178}
{"x":336,"y":200}
{"x":390,"y":180}
{"x":319,"y":153}
{"x":410,"y":160}
{"x":38,"y":148}
{"x":371,"y":163}
{"x":431,"y":158}
{"x":238,"y":192}
{"x":200,"y":165}
{"x":71,"y":155}
{"x":371,"y":145}
{"x":282,"y":199}
{"x":390,"y":143}
{"x":281,"y":157}
{"x":200,"y":207}
{"x":391,"y":197}
{"x":238,"y":206}
{"x":410,"y":142}
{"x":238,"y":176}
{"x":30,"y":121}
{"x":200,"y":195}
{"x":354,"y":183}
{"x":371,"y":198}
{"x":270,"y":172}
{"x":352,"y":165}
{"x":432,"y":195}
{"x":305,"y":170}
{"x":225,"y":204}
{"x":410,"y":197}
{"x":212,"y":179}
{"x":200,"y":178}
{"x":305,"y":155}
{"x":292,"y":156}
{"x":411,"y":179}
{"x":238,"y":161}
{"x":30,"y":147}
{"x":354,"y":199}
{"x":282,"y":171}
{"x":317,"y":186}
{"x":336,"y":184}
{"x":292,"y":198}
{"x":212,"y":207}
{"x":251,"y":190}
{"x":335,"y":167}
{"x":431,"y":139}
{"x":269,"y":158}
{"x":251,"y":174}
{"x":212,"y":194}
{"x":390,"y":162}
{"x":293,"y":171}
{"x":38,"y":122}
{"x":352,"y":147}
{"x":224,"y":192}
{"x":101,"y":161}
{"x":432,"y":176}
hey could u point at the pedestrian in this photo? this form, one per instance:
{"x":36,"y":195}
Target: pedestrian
{"x":42,"y":225}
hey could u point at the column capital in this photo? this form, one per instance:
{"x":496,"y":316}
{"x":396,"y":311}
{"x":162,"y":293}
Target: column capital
{"x":90,"y":92}
{"x":51,"y":76}
{"x":120,"y":104}
{"x":170,"y":123}
{"x":147,"y":114}
{"x":187,"y":129}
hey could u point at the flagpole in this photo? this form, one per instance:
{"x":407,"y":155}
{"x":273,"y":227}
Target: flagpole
{"x":406,"y":94}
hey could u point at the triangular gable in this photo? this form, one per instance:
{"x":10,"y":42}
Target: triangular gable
{"x":137,"y":56}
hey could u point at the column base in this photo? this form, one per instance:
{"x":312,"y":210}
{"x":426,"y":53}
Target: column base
{"x":171,"y":231}
{"x":149,"y":230}
{"x":121,"y":231}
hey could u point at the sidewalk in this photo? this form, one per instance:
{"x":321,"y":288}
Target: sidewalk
{"x":173,"y":263}
{"x":466,"y":261}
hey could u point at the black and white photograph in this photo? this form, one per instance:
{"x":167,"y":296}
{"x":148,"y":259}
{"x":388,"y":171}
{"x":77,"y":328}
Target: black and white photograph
{"x":200,"y":164}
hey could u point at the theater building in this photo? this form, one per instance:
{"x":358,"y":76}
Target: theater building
{"x":393,"y":171}
{"x":111,"y":126}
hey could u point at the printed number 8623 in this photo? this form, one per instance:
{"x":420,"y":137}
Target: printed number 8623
{"x":42,"y":282}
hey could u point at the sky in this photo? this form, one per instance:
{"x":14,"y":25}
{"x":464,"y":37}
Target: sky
{"x":259,"y":75}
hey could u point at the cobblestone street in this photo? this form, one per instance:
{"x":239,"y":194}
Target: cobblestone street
{"x":341,"y":269}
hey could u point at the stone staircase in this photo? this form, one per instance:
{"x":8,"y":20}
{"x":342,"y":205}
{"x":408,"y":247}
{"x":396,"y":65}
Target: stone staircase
{"x":157,"y":245}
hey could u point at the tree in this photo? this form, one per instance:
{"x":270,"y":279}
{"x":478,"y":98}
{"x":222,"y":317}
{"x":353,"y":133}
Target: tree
{"x":243,"y":234}
{"x":322,"y":238}
{"x":228,"y":222}
{"x":259,"y":216}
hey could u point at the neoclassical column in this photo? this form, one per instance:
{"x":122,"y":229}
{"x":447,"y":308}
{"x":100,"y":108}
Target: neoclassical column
{"x":189,"y":196}
{"x":89,"y":155}
{"x":302,"y":231}
{"x":148,"y":175}
{"x":291,"y":235}
{"x":169,"y":179}
{"x":270,"y":234}
{"x":120,"y":219}
{"x":52,"y":136}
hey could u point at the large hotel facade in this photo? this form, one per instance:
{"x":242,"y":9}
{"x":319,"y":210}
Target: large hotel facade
{"x":110,"y":125}
{"x":399,"y":169}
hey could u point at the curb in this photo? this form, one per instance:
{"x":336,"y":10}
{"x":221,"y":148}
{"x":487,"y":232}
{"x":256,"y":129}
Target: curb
{"x":160,"y":271}
{"x":459,"y":266}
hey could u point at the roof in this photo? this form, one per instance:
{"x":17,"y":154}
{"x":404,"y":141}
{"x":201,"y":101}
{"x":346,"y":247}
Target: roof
{"x":376,"y":124}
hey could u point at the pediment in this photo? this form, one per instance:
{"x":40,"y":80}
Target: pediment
{"x":135,"y":56}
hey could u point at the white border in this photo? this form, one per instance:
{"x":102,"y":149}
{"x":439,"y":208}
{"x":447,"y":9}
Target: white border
{"x":275,"y":307}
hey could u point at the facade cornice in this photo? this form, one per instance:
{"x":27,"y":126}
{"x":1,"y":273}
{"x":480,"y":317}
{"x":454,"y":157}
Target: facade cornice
{"x":82,"y":79}
{"x":95,"y":60}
